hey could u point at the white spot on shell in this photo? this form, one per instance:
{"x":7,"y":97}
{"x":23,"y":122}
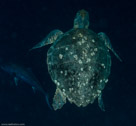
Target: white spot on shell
{"x":78,"y":84}
{"x":103,"y":65}
{"x":61,"y":72}
{"x":100,"y":81}
{"x":88,"y":46}
{"x":89,"y":67}
{"x":81,"y":69}
{"x":99,"y":91}
{"x":74,"y":37}
{"x":66,"y":48}
{"x":70,"y":89}
{"x":83,"y":41}
{"x":80,"y":61}
{"x":71,"y":53}
{"x":81,"y":99}
{"x":58,"y":83}
{"x":93,"y":94}
{"x":88,"y":60}
{"x":106,"y":80}
{"x":92,"y":54}
{"x":93,"y":40}
{"x":55,"y":81}
{"x":88,"y":101}
{"x":83,"y":84}
{"x":80,"y":35}
{"x":65,"y":72}
{"x":84,"y":52}
{"x":85,"y":37}
{"x":95,"y":49}
{"x":86,"y":81}
{"x":60,"y":56}
{"x":91,"y":87}
{"x":79,"y":42}
{"x":75,"y":56}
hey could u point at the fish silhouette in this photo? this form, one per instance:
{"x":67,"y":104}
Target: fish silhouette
{"x":22,"y":73}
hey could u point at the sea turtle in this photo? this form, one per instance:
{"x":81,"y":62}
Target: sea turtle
{"x":78,"y":62}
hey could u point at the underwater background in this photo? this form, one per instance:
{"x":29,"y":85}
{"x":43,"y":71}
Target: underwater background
{"x":23,"y":23}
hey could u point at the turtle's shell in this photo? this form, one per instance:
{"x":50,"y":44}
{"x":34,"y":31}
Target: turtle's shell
{"x":79,"y":64}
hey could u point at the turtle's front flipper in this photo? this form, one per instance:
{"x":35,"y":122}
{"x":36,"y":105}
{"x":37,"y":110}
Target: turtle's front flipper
{"x":49,"y":39}
{"x":105,"y":38}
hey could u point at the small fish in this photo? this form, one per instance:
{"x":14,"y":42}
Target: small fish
{"x":21,"y":73}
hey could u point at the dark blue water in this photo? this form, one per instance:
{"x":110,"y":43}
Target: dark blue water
{"x":24,"y":23}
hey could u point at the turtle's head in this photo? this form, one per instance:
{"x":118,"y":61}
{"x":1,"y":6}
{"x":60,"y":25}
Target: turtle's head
{"x":82,"y":19}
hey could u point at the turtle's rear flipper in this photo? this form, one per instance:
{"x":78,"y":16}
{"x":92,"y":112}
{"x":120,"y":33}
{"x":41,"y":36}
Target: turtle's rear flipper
{"x":59,"y":99}
{"x":100,"y":103}
{"x":49,"y":39}
{"x":105,"y":38}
